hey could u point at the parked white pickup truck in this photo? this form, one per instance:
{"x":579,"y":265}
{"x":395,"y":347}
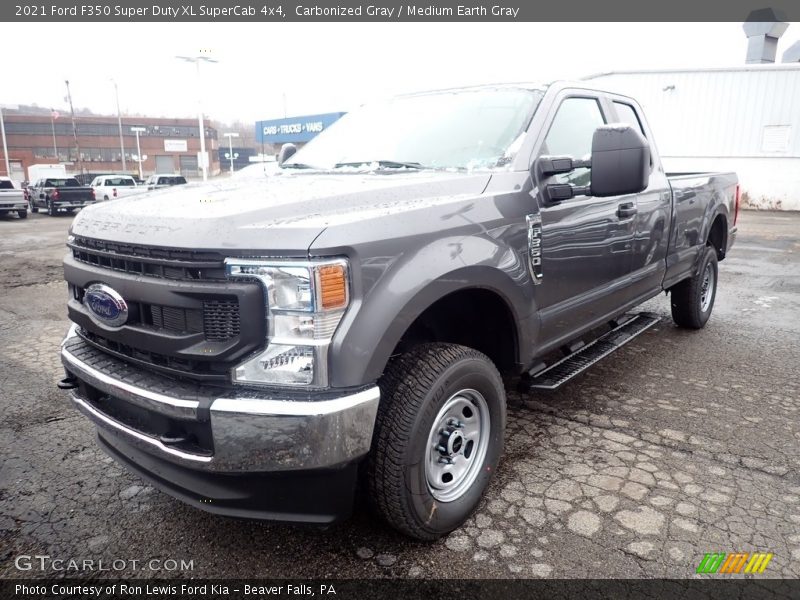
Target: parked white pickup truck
{"x":109,"y":187}
{"x":12,"y":199}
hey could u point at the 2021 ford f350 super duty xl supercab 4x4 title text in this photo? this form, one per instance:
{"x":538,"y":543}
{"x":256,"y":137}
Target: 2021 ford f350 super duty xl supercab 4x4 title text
{"x":258,"y":347}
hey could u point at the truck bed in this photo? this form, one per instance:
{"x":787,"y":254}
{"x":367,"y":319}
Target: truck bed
{"x":696,"y":197}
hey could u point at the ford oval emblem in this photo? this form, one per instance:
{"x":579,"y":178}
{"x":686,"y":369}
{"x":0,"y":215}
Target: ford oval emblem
{"x":105,"y":305}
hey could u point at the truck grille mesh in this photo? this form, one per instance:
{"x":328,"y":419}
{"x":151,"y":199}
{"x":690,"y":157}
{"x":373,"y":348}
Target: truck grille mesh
{"x":150,"y":261}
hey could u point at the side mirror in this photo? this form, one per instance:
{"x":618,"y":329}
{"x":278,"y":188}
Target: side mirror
{"x":620,"y":161}
{"x":286,"y":152}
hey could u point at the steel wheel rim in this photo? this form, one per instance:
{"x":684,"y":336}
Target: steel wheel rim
{"x":707,"y":288}
{"x":457,"y":445}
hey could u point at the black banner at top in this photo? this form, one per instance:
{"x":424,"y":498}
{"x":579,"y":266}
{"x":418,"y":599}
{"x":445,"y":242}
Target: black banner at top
{"x":277,"y":11}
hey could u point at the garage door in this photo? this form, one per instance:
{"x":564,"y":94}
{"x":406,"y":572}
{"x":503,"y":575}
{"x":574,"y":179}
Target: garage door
{"x":165,"y":164}
{"x":189,"y":165}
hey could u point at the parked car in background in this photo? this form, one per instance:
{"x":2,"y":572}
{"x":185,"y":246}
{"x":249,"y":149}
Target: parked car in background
{"x":109,"y":187}
{"x":161,"y":180}
{"x":12,"y":199}
{"x":59,"y":193}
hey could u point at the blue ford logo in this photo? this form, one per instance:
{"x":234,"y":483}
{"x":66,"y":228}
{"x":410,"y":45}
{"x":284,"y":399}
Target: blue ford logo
{"x":106,"y":306}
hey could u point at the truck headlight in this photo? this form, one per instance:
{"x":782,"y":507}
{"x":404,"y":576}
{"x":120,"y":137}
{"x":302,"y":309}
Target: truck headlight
{"x":305,"y":303}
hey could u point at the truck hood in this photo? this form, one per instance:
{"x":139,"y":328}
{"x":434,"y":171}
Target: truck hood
{"x":282,"y":214}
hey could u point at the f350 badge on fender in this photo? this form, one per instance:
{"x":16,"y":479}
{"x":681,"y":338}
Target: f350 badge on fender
{"x":535,"y":247}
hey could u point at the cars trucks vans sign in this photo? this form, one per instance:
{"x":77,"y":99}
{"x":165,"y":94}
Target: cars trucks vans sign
{"x":294,"y":129}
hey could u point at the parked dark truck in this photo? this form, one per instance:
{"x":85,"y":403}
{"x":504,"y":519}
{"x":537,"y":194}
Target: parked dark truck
{"x":259,"y":348}
{"x":59,"y":193}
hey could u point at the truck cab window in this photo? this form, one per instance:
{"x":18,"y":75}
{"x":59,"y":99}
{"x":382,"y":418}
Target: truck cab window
{"x":626,"y":114}
{"x":571,"y":134}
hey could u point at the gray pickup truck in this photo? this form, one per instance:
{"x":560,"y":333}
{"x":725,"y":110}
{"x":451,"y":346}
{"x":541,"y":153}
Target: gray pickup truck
{"x":59,"y":193}
{"x":265,"y":347}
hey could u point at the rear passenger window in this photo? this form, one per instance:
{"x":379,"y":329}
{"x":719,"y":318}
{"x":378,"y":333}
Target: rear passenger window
{"x":626,"y":114}
{"x":571,"y":134}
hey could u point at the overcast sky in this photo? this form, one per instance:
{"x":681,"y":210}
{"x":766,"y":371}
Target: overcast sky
{"x":329,"y":67}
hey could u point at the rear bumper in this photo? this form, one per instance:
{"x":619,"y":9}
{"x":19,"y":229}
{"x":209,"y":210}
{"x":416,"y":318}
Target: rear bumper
{"x":263,"y":455}
{"x":21,"y":205}
{"x":73,"y":204}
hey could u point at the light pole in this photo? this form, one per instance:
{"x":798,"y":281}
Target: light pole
{"x":230,"y":137}
{"x":202,"y":56}
{"x":137,"y":131}
{"x":5,"y":146}
{"x":119,"y":122}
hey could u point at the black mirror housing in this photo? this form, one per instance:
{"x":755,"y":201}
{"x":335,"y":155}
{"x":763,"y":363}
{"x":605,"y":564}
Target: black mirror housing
{"x":620,"y":161}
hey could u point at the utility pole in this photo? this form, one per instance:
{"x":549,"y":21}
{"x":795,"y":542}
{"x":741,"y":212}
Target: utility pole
{"x":53,"y":114}
{"x":119,"y":122}
{"x":74,"y":129}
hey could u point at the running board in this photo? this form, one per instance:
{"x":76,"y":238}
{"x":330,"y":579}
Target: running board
{"x":573,"y":364}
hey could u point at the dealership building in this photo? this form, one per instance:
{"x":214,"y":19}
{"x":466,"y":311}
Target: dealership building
{"x":165,"y":145}
{"x":295,"y":130}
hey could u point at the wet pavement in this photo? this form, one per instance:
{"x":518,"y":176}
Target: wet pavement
{"x":679,"y":444}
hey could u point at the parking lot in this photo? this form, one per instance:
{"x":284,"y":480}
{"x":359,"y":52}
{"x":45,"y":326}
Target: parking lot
{"x":679,"y":444}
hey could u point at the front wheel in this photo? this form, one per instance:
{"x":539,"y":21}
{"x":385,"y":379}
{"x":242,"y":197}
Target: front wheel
{"x":693,"y":299}
{"x":438,"y":438}
{"x":33,"y":207}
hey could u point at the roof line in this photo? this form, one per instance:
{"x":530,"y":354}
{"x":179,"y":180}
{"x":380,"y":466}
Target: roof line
{"x":755,"y":67}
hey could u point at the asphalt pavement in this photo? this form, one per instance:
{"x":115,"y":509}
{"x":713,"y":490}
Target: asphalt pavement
{"x":681,"y":443}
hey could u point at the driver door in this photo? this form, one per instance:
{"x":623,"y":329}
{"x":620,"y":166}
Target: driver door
{"x":586,"y":245}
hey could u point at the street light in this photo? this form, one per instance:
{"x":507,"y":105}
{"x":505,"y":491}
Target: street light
{"x":201,"y":57}
{"x":230,"y":137}
{"x":119,"y":122}
{"x":139,"y":159}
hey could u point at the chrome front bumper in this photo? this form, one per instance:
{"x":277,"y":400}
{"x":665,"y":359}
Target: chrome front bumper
{"x":257,"y":433}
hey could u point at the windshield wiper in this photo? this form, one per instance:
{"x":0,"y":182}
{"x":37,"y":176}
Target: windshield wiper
{"x":385,"y":164}
{"x":294,"y":165}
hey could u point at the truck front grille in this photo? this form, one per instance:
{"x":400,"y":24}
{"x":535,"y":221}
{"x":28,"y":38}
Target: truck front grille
{"x":218,"y":320}
{"x":150,"y":261}
{"x":185,"y":317}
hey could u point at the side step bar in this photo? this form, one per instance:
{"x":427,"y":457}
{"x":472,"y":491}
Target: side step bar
{"x":584,"y":357}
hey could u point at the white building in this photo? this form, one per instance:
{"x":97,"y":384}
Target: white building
{"x":744,"y":119}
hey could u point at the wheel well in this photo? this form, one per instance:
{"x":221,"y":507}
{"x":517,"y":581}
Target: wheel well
{"x":718,"y":236}
{"x":477,"y":318}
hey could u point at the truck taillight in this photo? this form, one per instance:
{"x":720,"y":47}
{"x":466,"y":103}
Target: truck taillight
{"x":114,"y":192}
{"x":736,"y":214}
{"x":91,"y":191}
{"x":55,"y":194}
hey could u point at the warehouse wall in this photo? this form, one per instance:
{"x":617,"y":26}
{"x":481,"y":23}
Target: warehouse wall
{"x":745,"y":119}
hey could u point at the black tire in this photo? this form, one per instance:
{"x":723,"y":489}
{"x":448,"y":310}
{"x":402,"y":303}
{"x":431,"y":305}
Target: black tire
{"x":415,"y":387}
{"x":22,"y":214}
{"x":51,"y":208}
{"x":33,"y":207}
{"x":691,"y":305}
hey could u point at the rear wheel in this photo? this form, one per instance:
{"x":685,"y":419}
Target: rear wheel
{"x":22,"y":214}
{"x":438,"y":438}
{"x":51,"y":208}
{"x":692,"y":300}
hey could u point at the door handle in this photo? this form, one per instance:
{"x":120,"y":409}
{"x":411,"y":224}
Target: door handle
{"x":626,"y":209}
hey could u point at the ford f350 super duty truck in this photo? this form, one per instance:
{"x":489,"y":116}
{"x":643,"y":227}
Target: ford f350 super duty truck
{"x":263,"y":347}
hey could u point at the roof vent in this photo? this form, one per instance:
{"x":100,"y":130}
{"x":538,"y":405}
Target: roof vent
{"x":763,"y":28}
{"x":792,"y":55}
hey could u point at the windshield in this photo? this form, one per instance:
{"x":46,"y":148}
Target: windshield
{"x":461,"y":129}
